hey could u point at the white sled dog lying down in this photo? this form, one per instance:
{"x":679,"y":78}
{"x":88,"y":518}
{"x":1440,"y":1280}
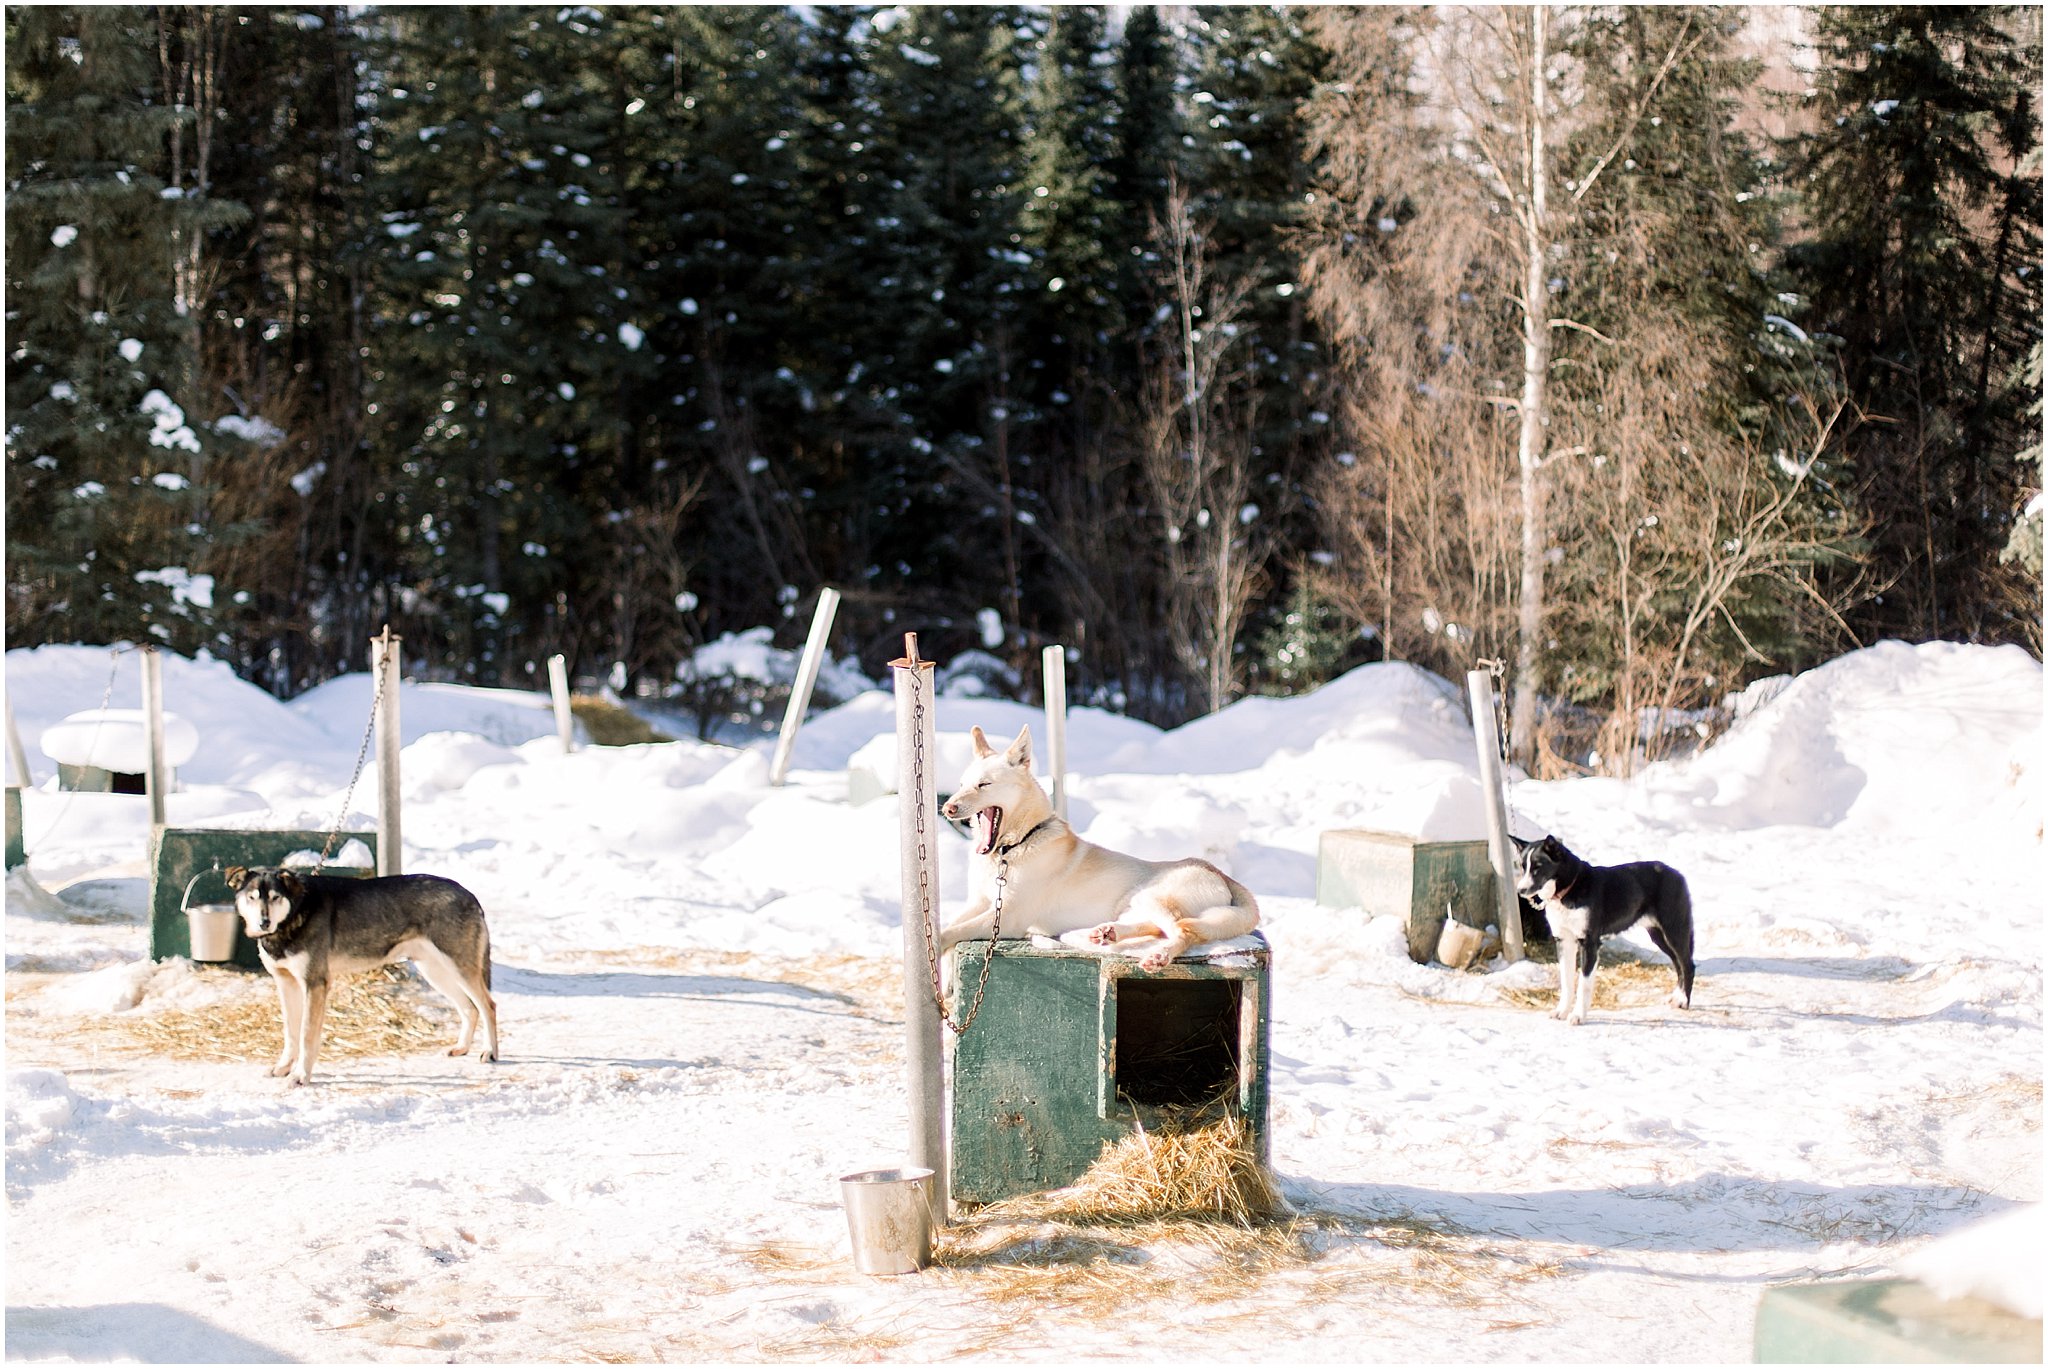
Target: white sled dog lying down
{"x":1058,"y":883}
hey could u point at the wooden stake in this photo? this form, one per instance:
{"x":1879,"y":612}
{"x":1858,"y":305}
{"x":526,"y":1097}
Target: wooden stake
{"x":558,"y":685}
{"x":156,"y":775}
{"x":806,"y":680}
{"x":1054,"y":668}
{"x":16,"y":752}
{"x":918,"y":822}
{"x":1486,"y":736}
{"x":384,"y":662}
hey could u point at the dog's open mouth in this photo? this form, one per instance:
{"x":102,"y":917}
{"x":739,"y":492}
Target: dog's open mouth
{"x":988,"y":825}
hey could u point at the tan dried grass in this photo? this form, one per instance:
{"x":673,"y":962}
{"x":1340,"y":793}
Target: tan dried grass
{"x":1620,"y":983}
{"x":381,"y":1012}
{"x":608,"y":724}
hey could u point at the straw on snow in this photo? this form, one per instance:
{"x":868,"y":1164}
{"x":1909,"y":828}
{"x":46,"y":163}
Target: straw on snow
{"x":382,"y":1012}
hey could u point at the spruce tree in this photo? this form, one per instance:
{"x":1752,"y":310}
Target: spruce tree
{"x":106,"y":492}
{"x":1925,"y":260}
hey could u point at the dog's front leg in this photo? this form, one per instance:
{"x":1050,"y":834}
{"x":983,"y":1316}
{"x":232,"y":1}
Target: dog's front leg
{"x":314,"y":996}
{"x":1567,"y":977}
{"x":290,"y":998}
{"x":1589,"y":956}
{"x":972,"y":925}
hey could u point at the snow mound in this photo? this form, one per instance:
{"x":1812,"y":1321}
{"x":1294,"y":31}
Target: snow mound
{"x":1991,"y":1259}
{"x":137,"y":984}
{"x":40,"y":1105}
{"x":442,"y":762}
{"x":341,"y":709}
{"x":1893,"y":738}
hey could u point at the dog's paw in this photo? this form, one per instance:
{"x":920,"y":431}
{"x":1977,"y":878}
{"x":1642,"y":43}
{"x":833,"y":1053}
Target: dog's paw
{"x":1156,"y":960}
{"x":487,"y":1057}
{"x":1105,"y":935}
{"x":1680,"y":999}
{"x":280,"y":1070}
{"x":458,"y":1050}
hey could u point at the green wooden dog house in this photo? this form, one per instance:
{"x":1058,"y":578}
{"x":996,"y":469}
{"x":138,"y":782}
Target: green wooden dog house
{"x":1073,"y":1050}
{"x":178,"y":854}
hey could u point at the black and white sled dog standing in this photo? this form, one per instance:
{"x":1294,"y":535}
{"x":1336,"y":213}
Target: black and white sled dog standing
{"x":1586,"y":902}
{"x":311,"y":929}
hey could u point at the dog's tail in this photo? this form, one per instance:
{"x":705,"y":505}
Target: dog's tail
{"x":1241,"y":897}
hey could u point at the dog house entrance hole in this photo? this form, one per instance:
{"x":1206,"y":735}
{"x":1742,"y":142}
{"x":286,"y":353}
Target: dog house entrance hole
{"x":1177,"y":1040}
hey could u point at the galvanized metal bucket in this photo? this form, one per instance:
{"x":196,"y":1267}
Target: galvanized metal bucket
{"x":213,"y":925}
{"x":889,"y":1216}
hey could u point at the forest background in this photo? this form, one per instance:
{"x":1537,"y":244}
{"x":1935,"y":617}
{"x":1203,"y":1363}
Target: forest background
{"x":1648,"y":351}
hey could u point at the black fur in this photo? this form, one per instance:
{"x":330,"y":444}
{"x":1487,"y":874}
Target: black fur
{"x":311,"y":929}
{"x":1586,"y":902}
{"x":364,"y":918}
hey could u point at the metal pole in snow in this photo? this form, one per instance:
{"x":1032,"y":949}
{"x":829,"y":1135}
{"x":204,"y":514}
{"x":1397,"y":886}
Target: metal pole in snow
{"x":156,"y":775}
{"x":1486,"y":735}
{"x":384,"y":660}
{"x":917,"y":818}
{"x":558,"y":685}
{"x":806,"y":680}
{"x":1055,"y":671}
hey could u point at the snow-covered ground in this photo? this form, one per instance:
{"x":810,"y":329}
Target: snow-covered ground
{"x":698,"y":977}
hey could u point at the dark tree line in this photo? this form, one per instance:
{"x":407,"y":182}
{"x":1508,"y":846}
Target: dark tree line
{"x":607,"y":330}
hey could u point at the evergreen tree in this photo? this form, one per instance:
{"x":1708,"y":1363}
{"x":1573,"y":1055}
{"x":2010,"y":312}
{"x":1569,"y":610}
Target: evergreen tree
{"x":105,"y":474}
{"x":1926,"y":261}
{"x":500,"y":341}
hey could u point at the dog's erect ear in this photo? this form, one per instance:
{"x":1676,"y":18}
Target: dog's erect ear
{"x":1553,"y":846}
{"x":235,"y":877}
{"x":981,"y":746}
{"x":1520,"y":845}
{"x":292,"y":885}
{"x":1020,"y":749}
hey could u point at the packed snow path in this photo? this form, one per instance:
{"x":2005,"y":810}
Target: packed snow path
{"x":703,"y":1030}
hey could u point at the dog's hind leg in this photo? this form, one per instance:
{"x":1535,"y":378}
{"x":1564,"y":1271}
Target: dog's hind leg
{"x":451,"y":983}
{"x":1677,"y":949}
{"x":290,"y":994}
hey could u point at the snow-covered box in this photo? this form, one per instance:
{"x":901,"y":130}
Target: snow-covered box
{"x":106,"y":750}
{"x":1421,"y":882}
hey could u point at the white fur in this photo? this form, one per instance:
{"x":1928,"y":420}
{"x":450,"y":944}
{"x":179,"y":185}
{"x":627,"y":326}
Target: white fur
{"x":1057,"y":883}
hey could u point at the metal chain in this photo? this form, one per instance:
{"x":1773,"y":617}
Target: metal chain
{"x":362,"y":759}
{"x":924,"y":895}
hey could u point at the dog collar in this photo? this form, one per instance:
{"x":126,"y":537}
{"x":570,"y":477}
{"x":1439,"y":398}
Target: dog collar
{"x":1006,"y":850}
{"x":1560,"y":893}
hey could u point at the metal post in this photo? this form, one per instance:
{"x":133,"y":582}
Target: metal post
{"x":806,"y":680}
{"x":917,"y":818}
{"x":16,"y":752}
{"x":558,"y":685}
{"x":384,"y":663}
{"x":1486,"y":736}
{"x":156,"y":775}
{"x":1055,"y":671}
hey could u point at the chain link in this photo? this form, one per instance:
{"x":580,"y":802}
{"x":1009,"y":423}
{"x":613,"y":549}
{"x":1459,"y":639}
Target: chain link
{"x":362,"y":759}
{"x":924,"y":893}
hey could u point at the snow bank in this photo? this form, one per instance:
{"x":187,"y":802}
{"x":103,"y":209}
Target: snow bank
{"x":40,"y":1106}
{"x":1999,"y":1260}
{"x":1890,"y":739}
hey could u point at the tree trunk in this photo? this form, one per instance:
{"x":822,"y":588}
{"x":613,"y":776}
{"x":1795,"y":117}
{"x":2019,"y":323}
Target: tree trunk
{"x":1535,"y":369}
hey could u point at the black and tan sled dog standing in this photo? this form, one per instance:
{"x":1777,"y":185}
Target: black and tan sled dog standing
{"x":1586,"y":902}
{"x":1055,"y":884}
{"x":311,"y":929}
